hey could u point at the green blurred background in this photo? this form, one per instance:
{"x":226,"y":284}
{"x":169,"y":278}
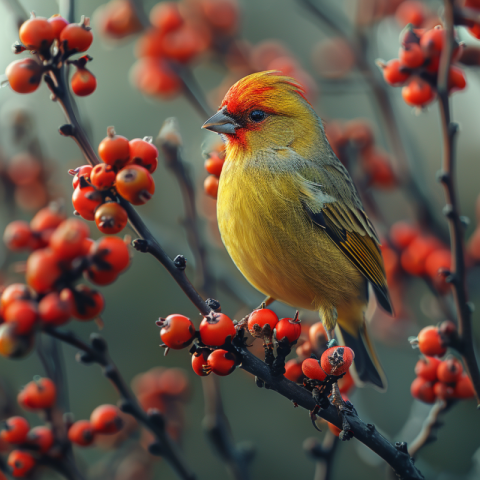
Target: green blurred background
{"x":146,"y":291}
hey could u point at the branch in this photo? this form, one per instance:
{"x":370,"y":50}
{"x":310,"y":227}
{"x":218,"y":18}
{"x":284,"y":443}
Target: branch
{"x":451,"y":210}
{"x":428,"y":433}
{"x":97,"y":352}
{"x":322,"y":454}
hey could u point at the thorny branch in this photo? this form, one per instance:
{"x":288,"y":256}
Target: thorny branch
{"x":97,"y":352}
{"x":446,"y":176}
{"x":323,"y":454}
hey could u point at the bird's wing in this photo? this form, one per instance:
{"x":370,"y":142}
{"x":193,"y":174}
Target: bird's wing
{"x":330,"y":200}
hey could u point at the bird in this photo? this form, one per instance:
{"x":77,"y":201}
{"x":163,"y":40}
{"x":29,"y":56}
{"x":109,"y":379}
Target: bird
{"x":290,"y":216}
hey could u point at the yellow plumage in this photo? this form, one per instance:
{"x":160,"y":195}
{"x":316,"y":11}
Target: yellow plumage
{"x":288,"y":212}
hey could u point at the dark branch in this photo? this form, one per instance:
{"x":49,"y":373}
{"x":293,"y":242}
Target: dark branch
{"x":323,"y":454}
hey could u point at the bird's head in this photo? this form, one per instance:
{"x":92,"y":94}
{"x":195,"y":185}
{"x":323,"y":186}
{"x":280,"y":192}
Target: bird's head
{"x":263,"y":110}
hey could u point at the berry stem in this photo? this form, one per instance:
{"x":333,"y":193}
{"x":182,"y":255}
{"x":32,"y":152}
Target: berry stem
{"x":451,"y":210}
{"x":97,"y":352}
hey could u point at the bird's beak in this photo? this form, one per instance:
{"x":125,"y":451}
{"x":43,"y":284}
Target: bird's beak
{"x":220,"y":123}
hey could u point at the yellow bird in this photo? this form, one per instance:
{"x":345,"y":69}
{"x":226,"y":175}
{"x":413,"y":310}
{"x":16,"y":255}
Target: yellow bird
{"x":290,"y":216}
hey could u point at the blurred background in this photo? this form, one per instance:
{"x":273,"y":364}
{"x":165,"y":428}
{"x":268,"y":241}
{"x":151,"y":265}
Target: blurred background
{"x":311,"y":49}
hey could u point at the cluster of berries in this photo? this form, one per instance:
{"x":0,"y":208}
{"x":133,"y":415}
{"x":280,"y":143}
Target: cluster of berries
{"x":53,"y":41}
{"x":214,"y":160}
{"x":62,"y":253}
{"x":418,"y":63}
{"x":356,"y":137}
{"x":438,"y":379}
{"x":126,"y":171}
{"x":179,"y":34}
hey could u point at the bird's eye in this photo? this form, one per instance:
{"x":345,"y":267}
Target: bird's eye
{"x":257,"y":116}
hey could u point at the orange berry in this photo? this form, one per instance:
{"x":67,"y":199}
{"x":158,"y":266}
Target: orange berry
{"x":221,"y":362}
{"x":211,"y":186}
{"x":15,"y":430}
{"x":111,"y":218}
{"x":293,"y":370}
{"x":450,"y":370}
{"x":78,"y":37}
{"x":58,"y":23}
{"x":393,"y":72}
{"x":112,"y":252}
{"x":56,"y":308}
{"x":83,"y":82}
{"x":435,"y":263}
{"x":17,"y":235}
{"x":337,"y":360}
{"x":103,"y":176}
{"x":427,"y":368}
{"x":13,"y":345}
{"x":199,"y":362}
{"x":185,"y":43}
{"x":411,"y":11}
{"x":42,"y":270}
{"x":359,"y":131}
{"x":214,"y":164}
{"x":443,"y":391}
{"x":67,"y":239}
{"x":413,"y":258}
{"x":456,"y":79}
{"x":150,"y":43}
{"x":411,"y":55}
{"x":14,"y":292}
{"x":311,"y":368}
{"x":89,"y":303}
{"x":106,"y":419}
{"x":38,"y":395}
{"x":100,"y":277}
{"x":222,"y":15}
{"x":177,"y":331}
{"x":85,"y":201}
{"x":166,"y":16}
{"x":135,"y":184}
{"x":418,"y":93}
{"x":24,"y":75}
{"x":42,"y":438}
{"x":155,"y":77}
{"x":215,"y":329}
{"x":144,"y":153}
{"x":20,"y":462}
{"x":430,"y":342}
{"x":464,"y":388}
{"x":432,"y":41}
{"x":377,"y":166}
{"x":83,"y":171}
{"x":81,"y":433}
{"x":317,"y":335}
{"x":402,"y":234}
{"x":346,"y":383}
{"x":114,"y":149}
{"x":259,"y":319}
{"x":23,"y":314}
{"x":422,"y":390}
{"x":37,"y":33}
{"x":288,"y":328}
{"x":46,"y":218}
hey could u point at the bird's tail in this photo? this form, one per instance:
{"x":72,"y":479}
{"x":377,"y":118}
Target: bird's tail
{"x":366,"y":367}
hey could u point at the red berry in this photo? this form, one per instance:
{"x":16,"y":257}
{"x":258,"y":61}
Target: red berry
{"x":144,"y":153}
{"x":85,"y":201}
{"x":106,"y":419}
{"x":83,"y":171}
{"x":418,"y":93}
{"x":215,"y":329}
{"x":411,"y":11}
{"x":464,"y":388}
{"x":337,"y":360}
{"x":42,"y":437}
{"x":293,"y":370}
{"x":166,"y":17}
{"x":42,"y":270}
{"x":111,"y":218}
{"x":58,"y":23}
{"x":14,"y":292}
{"x":258,"y":321}
{"x":199,"y":362}
{"x":37,"y":33}
{"x":83,"y":82}
{"x":177,"y":331}
{"x":288,"y":328}
{"x":24,"y":75}
{"x":39,"y":394}
{"x":317,"y":335}
{"x":393,"y":72}
{"x":67,"y":240}
{"x":214,"y":164}
{"x":211,"y":186}
{"x":23,"y":314}
{"x":311,"y":368}
{"x":47,"y":218}
{"x":456,"y":79}
{"x":89,"y":304}
{"x":81,"y":433}
{"x":100,"y":277}
{"x":135,"y":184}
{"x":18,"y":235}
{"x":153,"y":76}
{"x":443,"y":391}
{"x":56,"y":308}
{"x":20,"y":462}
{"x":13,"y":345}
{"x":15,"y":430}
{"x":112,"y":252}
{"x":403,"y":234}
{"x":433,"y":40}
{"x":427,"y":368}
{"x":411,"y":55}
{"x":413,"y":258}
{"x":114,"y":149}
{"x":346,"y":383}
{"x":422,"y":390}
{"x":221,"y":362}
{"x":450,"y":370}
{"x":430,"y":342}
{"x":103,"y":176}
{"x":78,"y":37}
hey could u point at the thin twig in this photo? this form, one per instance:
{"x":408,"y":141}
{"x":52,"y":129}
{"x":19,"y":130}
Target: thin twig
{"x":451,"y":210}
{"x":428,"y":433}
{"x":97,"y":352}
{"x":323,"y":454}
